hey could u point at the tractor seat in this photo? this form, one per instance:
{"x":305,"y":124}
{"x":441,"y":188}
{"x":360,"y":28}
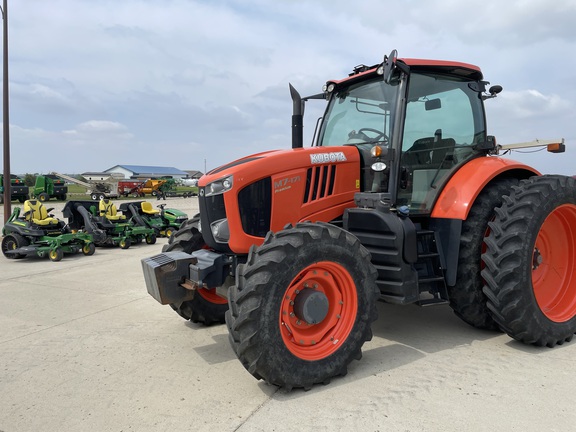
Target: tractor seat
{"x":109,"y":211}
{"x":35,"y":212}
{"x":147,"y":208}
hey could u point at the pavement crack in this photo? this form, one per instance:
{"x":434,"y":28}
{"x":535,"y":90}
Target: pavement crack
{"x":255,"y":410}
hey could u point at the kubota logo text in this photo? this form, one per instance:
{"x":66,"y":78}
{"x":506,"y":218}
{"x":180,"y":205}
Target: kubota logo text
{"x":319,"y":158}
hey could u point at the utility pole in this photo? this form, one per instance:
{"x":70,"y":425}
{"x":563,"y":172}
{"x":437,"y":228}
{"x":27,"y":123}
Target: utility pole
{"x":6,"y":119}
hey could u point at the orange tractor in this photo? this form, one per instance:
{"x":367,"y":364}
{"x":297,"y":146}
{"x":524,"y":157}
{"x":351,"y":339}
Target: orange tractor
{"x":403,"y":198}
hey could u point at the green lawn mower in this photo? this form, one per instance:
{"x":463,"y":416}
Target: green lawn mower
{"x":165,"y":221}
{"x":108,"y":227}
{"x":37,"y":232}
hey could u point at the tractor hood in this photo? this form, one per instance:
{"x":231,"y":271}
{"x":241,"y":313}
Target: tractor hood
{"x":262,"y":191}
{"x":224,"y":170}
{"x":278,"y":164}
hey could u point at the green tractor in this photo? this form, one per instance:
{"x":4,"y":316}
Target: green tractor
{"x":165,"y":221}
{"x":36,"y":232}
{"x":18,"y":189}
{"x":108,"y":227}
{"x":49,"y":186}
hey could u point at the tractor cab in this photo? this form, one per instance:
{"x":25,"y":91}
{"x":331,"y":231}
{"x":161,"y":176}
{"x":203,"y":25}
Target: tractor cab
{"x":413,"y":128}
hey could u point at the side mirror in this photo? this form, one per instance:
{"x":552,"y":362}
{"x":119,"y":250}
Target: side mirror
{"x":494,"y":90}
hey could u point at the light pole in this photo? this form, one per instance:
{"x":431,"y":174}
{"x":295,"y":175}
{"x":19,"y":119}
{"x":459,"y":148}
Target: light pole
{"x":6,"y":119}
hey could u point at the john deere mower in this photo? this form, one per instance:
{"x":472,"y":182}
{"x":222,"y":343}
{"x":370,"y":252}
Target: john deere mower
{"x":37,"y":232}
{"x":165,"y":221}
{"x":108,"y":227}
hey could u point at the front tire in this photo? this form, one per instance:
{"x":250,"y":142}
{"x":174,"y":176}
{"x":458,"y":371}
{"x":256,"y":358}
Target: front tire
{"x":89,"y":249}
{"x":206,"y":307}
{"x":170,"y":231}
{"x":56,"y":254}
{"x":530,"y":274}
{"x":187,"y":238}
{"x":303,"y":305}
{"x":125,"y":243}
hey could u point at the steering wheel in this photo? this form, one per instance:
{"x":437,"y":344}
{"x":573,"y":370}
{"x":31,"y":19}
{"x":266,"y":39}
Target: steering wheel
{"x":380,"y":136}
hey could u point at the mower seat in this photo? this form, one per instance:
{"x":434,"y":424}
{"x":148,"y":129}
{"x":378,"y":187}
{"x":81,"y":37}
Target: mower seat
{"x":109,"y":211}
{"x":35,"y":212}
{"x":147,"y":208}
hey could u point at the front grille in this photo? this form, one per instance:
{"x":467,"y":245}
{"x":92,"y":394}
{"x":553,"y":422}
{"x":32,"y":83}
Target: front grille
{"x":255,"y":205}
{"x":319,"y":182}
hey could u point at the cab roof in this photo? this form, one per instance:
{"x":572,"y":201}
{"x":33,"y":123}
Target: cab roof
{"x":443,"y":66}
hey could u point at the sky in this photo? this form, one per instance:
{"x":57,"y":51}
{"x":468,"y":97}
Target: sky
{"x":194,"y":84}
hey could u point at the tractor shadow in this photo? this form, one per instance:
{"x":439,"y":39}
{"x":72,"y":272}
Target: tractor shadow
{"x":426,"y":329}
{"x":217,"y":352}
{"x":403,"y":335}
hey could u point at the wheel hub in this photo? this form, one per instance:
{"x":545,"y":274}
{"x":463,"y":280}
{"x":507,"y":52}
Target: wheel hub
{"x":537,"y":259}
{"x":311,"y":306}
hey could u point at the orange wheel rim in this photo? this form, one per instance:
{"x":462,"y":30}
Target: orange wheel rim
{"x":211,"y":296}
{"x":553,"y":276}
{"x":317,"y":341}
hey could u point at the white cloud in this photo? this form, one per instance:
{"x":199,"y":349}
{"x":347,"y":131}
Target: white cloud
{"x":205,"y":74}
{"x":530,"y":104}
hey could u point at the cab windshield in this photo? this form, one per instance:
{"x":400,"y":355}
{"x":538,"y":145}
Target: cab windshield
{"x":360,"y":114}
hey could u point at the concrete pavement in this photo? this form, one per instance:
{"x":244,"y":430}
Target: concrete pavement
{"x":84,"y":347}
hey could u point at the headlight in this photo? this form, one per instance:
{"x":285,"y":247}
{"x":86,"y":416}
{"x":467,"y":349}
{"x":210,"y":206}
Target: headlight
{"x":218,"y":187}
{"x":220,"y":231}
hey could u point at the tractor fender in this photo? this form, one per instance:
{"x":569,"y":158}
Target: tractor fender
{"x":458,"y":195}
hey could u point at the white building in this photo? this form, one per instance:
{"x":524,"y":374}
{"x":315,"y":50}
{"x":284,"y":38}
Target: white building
{"x":143,"y":171}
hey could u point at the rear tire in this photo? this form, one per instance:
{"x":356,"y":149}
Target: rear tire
{"x":530,"y":274}
{"x":206,"y":307}
{"x":295,"y":321}
{"x":466,"y":297}
{"x":11,"y":242}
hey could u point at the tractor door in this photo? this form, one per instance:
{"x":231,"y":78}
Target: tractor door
{"x":444,"y":123}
